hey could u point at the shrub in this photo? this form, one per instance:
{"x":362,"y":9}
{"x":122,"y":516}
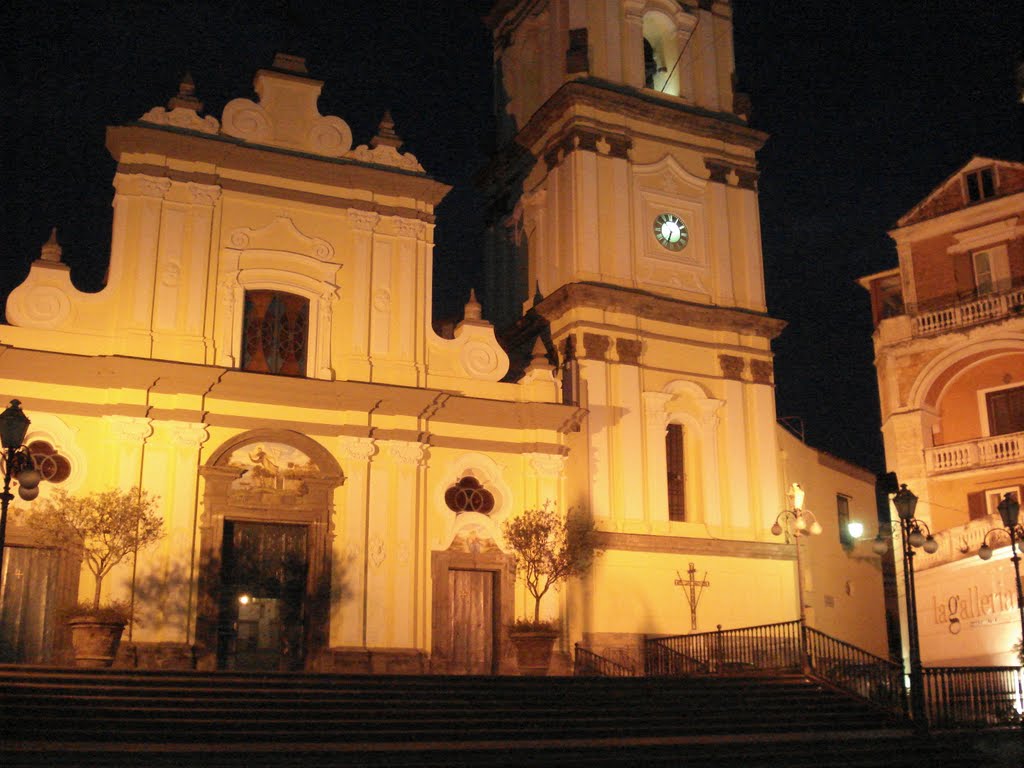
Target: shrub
{"x":105,"y":526}
{"x":549,"y":549}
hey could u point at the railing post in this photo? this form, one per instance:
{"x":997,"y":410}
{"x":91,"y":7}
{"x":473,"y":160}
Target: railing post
{"x":805,"y":649}
{"x":719,"y":658}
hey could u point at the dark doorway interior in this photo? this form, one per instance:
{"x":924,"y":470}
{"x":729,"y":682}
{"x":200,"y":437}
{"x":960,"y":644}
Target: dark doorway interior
{"x":263,"y":596}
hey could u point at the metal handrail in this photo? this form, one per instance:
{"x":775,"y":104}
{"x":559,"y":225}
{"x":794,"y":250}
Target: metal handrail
{"x":662,"y":661}
{"x":588,"y":663}
{"x":973,"y":696}
{"x":774,"y":647}
{"x":784,"y":647}
{"x":853,"y":669}
{"x":954,"y":696}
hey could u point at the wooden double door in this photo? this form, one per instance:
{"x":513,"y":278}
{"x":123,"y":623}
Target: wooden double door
{"x":473,"y":622}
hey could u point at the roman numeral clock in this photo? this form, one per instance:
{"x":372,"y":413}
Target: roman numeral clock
{"x":671,"y":232}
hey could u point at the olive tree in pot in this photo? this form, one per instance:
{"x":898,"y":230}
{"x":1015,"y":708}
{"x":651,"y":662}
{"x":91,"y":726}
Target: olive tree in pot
{"x":549,"y":548}
{"x":105,"y":527}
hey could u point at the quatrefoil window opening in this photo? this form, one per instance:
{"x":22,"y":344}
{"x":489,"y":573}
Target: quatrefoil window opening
{"x":468,"y":495}
{"x":51,"y":465}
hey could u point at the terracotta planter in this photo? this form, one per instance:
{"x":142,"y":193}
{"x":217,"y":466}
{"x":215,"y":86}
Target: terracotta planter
{"x":533,"y":650}
{"x":94,"y":641}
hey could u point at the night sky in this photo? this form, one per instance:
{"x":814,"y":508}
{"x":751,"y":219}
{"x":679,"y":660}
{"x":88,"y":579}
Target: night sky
{"x":870,"y":106}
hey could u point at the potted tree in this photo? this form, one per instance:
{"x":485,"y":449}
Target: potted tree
{"x":105,"y":527}
{"x":548,"y":549}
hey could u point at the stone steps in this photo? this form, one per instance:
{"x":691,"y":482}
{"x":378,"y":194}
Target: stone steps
{"x":110,"y":717}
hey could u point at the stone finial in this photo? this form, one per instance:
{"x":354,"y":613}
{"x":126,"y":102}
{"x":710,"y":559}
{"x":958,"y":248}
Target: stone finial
{"x":51,"y":250}
{"x":538,"y":297}
{"x":186,"y":98}
{"x":539,"y":357}
{"x":473,"y":310}
{"x":386,"y":135}
{"x":289,"y":63}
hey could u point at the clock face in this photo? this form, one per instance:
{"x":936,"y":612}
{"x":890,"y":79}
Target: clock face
{"x":671,"y":231}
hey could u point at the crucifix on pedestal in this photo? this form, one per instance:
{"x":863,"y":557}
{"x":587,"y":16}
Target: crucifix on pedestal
{"x":694,"y":589}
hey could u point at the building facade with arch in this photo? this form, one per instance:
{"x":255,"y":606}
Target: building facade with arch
{"x":333,"y":474}
{"x":949,"y":349}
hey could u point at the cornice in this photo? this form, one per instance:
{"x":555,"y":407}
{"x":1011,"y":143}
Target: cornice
{"x":641,"y":106}
{"x":650,"y":306}
{"x":226,"y":154}
{"x":971,"y":217}
{"x":542,"y":136}
{"x":680,"y":545}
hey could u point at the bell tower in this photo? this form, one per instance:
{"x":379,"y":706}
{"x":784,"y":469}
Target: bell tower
{"x":625,"y":155}
{"x":623,"y":221}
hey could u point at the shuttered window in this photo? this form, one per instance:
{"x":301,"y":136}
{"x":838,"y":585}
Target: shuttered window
{"x":1005,"y":411}
{"x":674,"y":462}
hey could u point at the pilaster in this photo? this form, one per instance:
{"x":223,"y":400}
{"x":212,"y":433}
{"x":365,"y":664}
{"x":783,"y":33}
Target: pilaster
{"x":350,"y":552}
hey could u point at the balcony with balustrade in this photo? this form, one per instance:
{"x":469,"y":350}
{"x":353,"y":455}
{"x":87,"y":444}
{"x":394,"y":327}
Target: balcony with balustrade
{"x":964,"y":313}
{"x":981,"y":453}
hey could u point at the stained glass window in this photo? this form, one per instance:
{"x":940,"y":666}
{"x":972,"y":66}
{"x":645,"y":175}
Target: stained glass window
{"x":275,"y":333}
{"x":468,"y":495}
{"x":50,"y":464}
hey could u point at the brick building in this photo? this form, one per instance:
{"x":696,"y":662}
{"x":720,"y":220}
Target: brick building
{"x":949,"y":350}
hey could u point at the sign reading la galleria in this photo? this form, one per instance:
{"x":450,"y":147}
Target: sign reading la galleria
{"x":973,"y":606}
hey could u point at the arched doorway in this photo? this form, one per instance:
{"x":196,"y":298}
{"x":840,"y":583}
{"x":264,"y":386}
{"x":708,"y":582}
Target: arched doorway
{"x":265,"y":543}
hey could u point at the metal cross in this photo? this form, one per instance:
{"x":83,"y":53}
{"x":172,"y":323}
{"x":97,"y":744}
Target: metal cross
{"x":693,"y":594}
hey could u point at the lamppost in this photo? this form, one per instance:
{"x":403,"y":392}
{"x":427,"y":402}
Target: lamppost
{"x":914,"y":534}
{"x":18,"y":465}
{"x":1009,"y":511}
{"x":798,"y":522}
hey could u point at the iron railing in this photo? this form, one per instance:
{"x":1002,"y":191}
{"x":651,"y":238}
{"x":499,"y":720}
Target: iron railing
{"x":973,"y":696}
{"x":588,"y":663}
{"x":853,"y":669}
{"x":660,"y":660}
{"x":954,"y":697}
{"x":787,"y":647}
{"x":768,"y":647}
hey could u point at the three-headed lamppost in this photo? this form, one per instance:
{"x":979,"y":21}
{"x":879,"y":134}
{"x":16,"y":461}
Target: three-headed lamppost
{"x":799,"y":522}
{"x":915,"y":535}
{"x":1009,"y":511}
{"x":18,"y":465}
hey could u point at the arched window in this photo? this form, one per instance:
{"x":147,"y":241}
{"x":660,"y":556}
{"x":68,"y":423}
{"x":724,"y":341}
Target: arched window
{"x":666,"y":29}
{"x":675,"y":467}
{"x":275,"y":333}
{"x":652,"y":66}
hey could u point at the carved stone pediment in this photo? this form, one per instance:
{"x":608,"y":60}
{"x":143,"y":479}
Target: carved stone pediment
{"x":281,"y":235}
{"x":286,"y":114}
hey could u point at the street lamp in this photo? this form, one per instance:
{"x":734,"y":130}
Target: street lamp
{"x":1009,"y":511}
{"x":18,"y":465}
{"x":915,"y":534}
{"x":798,"y":522}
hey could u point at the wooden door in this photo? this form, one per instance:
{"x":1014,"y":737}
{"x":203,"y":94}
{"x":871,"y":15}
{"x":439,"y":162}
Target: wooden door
{"x":472,"y":622}
{"x":28,"y":604}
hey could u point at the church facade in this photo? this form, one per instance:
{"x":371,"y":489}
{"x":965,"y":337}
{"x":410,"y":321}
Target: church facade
{"x":333,"y":475}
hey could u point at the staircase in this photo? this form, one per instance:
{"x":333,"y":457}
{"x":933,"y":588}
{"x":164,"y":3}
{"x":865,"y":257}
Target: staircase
{"x":68,"y":717}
